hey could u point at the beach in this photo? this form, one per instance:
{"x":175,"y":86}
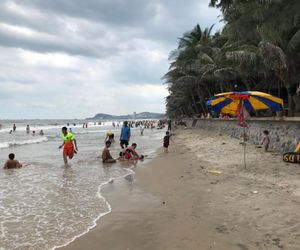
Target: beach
{"x":200,"y":196}
{"x":45,"y":204}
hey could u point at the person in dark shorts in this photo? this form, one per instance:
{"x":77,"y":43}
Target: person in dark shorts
{"x":125,"y":135}
{"x":169,"y":125}
{"x":12,"y":163}
{"x":167,"y":139}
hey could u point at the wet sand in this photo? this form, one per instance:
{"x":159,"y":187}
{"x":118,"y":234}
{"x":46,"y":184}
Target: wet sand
{"x":175,"y":202}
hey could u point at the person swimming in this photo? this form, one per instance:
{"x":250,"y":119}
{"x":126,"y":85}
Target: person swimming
{"x":11,"y":162}
{"x":27,"y":129}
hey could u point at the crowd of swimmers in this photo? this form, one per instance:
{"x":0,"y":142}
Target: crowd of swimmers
{"x":28,"y":130}
{"x":128,"y":152}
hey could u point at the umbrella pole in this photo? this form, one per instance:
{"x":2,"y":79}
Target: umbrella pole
{"x":244,"y":147}
{"x":244,"y":133}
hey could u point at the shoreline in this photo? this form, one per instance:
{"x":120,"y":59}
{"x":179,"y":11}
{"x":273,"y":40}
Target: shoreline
{"x":135,"y":214}
{"x":99,"y":194}
{"x":98,"y":218}
{"x":175,"y":202}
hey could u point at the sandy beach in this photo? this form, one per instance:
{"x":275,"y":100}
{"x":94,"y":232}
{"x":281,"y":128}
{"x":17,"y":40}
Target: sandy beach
{"x":177,"y":202}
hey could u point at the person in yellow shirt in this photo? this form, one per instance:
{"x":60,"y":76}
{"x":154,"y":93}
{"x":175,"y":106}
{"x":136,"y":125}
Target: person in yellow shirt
{"x":68,"y":144}
{"x":110,"y":136}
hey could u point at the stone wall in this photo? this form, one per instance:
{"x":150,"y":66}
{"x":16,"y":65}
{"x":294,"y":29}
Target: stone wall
{"x":284,"y":134}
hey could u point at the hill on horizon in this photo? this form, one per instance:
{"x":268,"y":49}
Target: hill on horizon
{"x":143,"y":115}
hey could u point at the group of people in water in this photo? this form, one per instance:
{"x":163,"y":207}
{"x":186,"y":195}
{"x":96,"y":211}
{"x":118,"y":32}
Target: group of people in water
{"x":41,"y":132}
{"x":128,"y":152}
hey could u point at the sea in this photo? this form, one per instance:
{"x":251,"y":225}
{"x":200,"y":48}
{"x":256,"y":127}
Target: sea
{"x":45,"y":205}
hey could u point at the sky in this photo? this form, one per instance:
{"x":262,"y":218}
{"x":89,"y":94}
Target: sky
{"x":74,"y":58}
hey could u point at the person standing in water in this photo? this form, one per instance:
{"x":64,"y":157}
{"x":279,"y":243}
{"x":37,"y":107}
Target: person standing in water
{"x":169,"y":125}
{"x":142,"y":128}
{"x":69,"y":144}
{"x":125,"y":135}
{"x":14,"y":127}
{"x":27,"y":129}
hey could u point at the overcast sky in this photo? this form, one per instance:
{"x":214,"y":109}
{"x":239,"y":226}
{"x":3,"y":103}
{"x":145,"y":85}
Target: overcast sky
{"x":75,"y":58}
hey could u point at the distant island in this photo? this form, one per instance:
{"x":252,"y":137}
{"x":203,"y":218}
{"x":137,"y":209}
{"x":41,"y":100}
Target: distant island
{"x":143,"y":115}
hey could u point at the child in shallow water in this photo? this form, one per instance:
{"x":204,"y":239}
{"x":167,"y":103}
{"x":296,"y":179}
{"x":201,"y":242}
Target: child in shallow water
{"x":130,"y":154}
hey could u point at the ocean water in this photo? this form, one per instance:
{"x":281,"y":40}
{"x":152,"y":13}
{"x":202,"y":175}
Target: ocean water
{"x":45,"y":204}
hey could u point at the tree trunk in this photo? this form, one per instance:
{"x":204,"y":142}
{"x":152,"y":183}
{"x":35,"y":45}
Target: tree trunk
{"x":201,"y":100}
{"x":221,"y":87}
{"x":194,"y":103}
{"x":291,"y":106}
{"x":296,"y":100}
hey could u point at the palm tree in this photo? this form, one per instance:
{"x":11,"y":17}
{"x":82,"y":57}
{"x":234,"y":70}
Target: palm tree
{"x":274,"y":29}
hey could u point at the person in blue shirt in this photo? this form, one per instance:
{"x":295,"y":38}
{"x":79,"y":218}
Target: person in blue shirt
{"x":125,"y":135}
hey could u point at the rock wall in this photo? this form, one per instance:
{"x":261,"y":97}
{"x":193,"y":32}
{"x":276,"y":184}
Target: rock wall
{"x":284,"y":134}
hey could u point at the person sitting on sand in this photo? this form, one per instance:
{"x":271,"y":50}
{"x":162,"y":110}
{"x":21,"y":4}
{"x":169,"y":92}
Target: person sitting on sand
{"x":265,"y":140}
{"x":12,"y":163}
{"x":106,"y":156}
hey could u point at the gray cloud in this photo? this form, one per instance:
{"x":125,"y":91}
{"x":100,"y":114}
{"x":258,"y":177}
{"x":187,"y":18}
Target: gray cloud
{"x":116,"y":12}
{"x":102,"y":53}
{"x":97,"y":28}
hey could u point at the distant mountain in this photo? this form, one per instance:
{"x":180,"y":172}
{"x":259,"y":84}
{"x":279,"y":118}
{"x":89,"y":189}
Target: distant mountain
{"x":143,"y":115}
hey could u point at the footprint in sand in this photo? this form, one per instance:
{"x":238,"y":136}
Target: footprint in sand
{"x":222,"y":229}
{"x":242,"y":247}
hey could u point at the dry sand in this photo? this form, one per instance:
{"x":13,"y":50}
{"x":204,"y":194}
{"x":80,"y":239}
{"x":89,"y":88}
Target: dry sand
{"x":174,"y":202}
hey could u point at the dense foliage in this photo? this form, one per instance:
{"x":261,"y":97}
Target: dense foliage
{"x":258,"y":49}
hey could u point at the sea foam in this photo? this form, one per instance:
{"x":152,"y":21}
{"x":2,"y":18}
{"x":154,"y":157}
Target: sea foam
{"x":23,"y":142}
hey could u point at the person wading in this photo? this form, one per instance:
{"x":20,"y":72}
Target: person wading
{"x":69,"y":144}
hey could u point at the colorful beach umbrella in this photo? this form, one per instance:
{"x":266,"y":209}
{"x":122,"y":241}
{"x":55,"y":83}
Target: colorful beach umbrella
{"x":230,"y":102}
{"x":235,"y":103}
